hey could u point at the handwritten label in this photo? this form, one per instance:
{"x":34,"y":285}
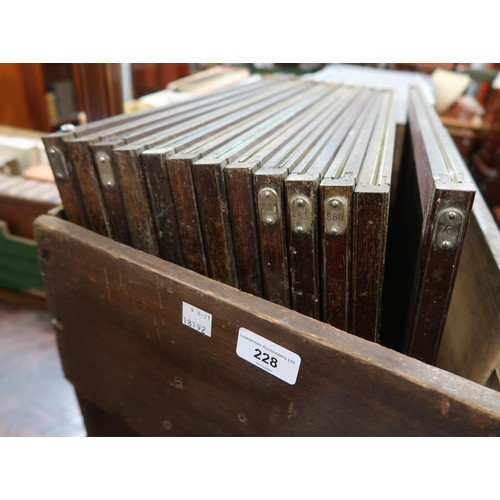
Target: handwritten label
{"x":197,"y":319}
{"x":268,"y":356}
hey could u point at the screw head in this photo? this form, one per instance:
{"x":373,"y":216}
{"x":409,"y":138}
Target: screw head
{"x":335,"y":203}
{"x":269,"y":220}
{"x":52,"y":151}
{"x":267,"y":194}
{"x":109,"y":183}
{"x":452,"y":215}
{"x":299,"y":229}
{"x":334,"y":231}
{"x":102,"y":159}
{"x":178,"y":383}
{"x":300,"y":202}
{"x":446,"y":245}
{"x":242,"y":418}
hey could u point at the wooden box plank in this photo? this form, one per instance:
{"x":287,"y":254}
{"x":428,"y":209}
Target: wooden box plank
{"x":118,"y":317}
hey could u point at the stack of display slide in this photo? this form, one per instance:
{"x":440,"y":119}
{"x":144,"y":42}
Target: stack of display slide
{"x":279,"y":187}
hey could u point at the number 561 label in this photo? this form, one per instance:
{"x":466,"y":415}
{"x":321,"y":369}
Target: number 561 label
{"x":268,"y":356}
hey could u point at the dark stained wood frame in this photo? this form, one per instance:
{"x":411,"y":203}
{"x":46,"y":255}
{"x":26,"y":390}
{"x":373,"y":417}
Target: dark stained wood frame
{"x":435,"y":268}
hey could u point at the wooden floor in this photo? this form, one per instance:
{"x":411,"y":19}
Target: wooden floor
{"x":35,"y":398}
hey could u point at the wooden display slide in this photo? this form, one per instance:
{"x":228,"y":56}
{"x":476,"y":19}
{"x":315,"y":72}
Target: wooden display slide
{"x":55,"y":145}
{"x":302,"y":193}
{"x":124,"y":347}
{"x":446,"y":195}
{"x":371,"y":200}
{"x":336,"y":218}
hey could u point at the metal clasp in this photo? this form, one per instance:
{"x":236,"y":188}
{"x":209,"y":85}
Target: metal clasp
{"x":269,"y":207}
{"x":449,"y":227}
{"x":58,"y":163}
{"x":335,"y":221}
{"x":105,"y":170}
{"x":301,"y":216}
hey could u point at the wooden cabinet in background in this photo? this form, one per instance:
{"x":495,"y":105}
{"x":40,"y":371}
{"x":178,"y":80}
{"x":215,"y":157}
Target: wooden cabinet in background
{"x":152,"y":77}
{"x":43,"y":96}
{"x":22,"y":96}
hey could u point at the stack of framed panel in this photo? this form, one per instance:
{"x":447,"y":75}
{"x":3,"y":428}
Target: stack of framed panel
{"x":282,"y":188}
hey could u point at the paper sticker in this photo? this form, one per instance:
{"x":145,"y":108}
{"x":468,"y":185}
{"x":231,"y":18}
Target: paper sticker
{"x":268,"y":356}
{"x":197,"y":319}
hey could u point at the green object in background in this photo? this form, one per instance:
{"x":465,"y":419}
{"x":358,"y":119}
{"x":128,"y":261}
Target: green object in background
{"x":19,"y":270}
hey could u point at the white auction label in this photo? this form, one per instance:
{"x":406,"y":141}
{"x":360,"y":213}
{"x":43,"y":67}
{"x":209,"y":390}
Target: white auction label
{"x":197,"y":319}
{"x":268,"y":356}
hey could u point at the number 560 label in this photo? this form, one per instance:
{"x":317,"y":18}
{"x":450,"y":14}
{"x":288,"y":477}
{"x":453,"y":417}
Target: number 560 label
{"x":268,"y":356}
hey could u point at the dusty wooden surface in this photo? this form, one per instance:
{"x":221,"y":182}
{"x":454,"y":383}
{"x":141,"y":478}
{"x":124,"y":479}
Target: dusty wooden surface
{"x":118,"y":320}
{"x":303,"y":247}
{"x":163,"y":208}
{"x":241,"y":204}
{"x":135,"y":198}
{"x":370,"y":214}
{"x":215,"y":221}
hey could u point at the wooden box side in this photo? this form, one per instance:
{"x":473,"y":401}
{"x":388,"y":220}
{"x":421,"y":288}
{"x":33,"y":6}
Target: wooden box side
{"x":118,"y":316}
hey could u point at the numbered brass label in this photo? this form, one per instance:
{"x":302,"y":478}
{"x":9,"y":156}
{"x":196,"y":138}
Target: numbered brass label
{"x":58,"y":163}
{"x":448,"y":229}
{"x":105,"y":170}
{"x":301,"y":215}
{"x":335,"y":222}
{"x":269,"y":208}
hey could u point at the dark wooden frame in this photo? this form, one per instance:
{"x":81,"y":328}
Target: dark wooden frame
{"x":436,"y":162}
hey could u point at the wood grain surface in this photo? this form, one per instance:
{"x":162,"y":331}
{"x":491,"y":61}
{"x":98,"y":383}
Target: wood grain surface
{"x":118,"y":315}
